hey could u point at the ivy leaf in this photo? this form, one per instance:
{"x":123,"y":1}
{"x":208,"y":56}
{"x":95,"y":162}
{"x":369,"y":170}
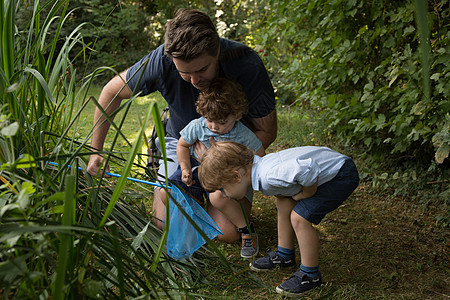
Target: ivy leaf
{"x":441,"y":140}
{"x":311,"y":5}
{"x":379,"y":122}
{"x":408,"y":30}
{"x":363,"y":29}
{"x":435,"y":76}
{"x":442,"y":153}
{"x":316,"y":43}
{"x":369,"y":86}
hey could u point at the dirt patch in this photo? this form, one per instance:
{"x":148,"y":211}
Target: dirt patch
{"x":373,"y":246}
{"x":386,"y":246}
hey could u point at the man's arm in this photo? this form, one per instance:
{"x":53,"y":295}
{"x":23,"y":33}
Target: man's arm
{"x":113,"y":92}
{"x":265,"y":128}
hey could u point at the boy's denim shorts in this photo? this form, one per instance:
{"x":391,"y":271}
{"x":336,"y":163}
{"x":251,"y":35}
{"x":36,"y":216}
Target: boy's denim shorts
{"x":196,"y":191}
{"x":329,"y":195}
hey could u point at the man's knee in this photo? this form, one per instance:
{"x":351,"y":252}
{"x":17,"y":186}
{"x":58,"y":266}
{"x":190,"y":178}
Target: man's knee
{"x":217,"y":200}
{"x":159,"y":207}
{"x":160,"y":196}
{"x":230,"y":234}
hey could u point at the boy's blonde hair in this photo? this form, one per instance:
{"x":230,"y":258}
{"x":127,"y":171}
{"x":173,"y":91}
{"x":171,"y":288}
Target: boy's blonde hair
{"x":220,"y":162}
{"x":222,"y":99}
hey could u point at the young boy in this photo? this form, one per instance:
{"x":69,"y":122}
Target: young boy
{"x":309,"y":182}
{"x":222,"y":105}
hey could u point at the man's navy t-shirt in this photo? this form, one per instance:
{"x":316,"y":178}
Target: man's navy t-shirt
{"x":237,"y":62}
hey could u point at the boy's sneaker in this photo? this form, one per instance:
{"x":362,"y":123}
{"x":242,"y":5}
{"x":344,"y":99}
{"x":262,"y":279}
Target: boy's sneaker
{"x":270,"y":261}
{"x":249,"y":245}
{"x":298,"y":284}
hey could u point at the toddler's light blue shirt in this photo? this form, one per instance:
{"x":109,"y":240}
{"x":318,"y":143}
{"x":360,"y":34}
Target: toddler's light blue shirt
{"x":198,"y":130}
{"x":288,"y":171}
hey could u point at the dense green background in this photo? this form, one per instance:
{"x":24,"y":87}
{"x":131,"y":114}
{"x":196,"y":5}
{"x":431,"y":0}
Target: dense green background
{"x":356,"y":62}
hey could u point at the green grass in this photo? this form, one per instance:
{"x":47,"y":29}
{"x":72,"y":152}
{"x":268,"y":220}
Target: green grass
{"x":130,"y":128}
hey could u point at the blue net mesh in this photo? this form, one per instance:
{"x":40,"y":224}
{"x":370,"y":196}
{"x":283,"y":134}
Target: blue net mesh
{"x":183,"y":239}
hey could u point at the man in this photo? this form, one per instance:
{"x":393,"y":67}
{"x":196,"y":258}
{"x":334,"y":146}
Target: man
{"x":192,"y":55}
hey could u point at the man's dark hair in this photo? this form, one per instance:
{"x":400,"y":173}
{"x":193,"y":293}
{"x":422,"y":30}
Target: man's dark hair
{"x":190,"y":34}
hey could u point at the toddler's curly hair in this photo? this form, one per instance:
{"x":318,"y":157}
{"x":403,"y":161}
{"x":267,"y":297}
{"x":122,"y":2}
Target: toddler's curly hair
{"x":222,"y":99}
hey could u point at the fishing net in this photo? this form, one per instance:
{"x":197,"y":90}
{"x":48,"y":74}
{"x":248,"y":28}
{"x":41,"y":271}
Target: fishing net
{"x":183,"y":239}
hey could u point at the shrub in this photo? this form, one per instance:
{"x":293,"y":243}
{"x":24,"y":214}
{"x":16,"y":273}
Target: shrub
{"x":358,"y":62}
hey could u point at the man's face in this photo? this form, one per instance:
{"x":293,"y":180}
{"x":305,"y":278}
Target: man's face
{"x":199,"y":71}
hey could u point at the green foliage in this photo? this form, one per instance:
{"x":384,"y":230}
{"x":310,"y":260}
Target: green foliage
{"x":359,"y":63}
{"x":236,"y":19}
{"x":121,"y":31}
{"x":115,"y":33}
{"x":63,"y":233}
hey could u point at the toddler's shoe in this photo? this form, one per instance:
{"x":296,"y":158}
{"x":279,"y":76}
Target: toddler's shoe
{"x":271,"y":261}
{"x":298,"y":284}
{"x":249,"y":245}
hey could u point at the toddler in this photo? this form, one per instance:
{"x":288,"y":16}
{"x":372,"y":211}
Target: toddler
{"x":308,"y":182}
{"x":221,"y":106}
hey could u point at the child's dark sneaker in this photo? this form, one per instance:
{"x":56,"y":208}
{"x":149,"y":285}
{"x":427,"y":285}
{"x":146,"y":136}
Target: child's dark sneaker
{"x":270,"y":261}
{"x":249,"y":245}
{"x":298,"y":284}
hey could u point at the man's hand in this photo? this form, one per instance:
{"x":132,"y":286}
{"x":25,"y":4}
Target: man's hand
{"x":200,"y":149}
{"x":95,"y":164}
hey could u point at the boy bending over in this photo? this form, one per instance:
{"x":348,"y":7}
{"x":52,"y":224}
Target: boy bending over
{"x":309,"y":182}
{"x":222,"y":105}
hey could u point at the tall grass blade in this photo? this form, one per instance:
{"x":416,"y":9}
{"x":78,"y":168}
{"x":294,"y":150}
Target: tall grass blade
{"x":160,"y":132}
{"x":66,"y":240}
{"x":118,"y":262}
{"x":7,"y":47}
{"x":57,"y":5}
{"x":129,"y":163}
{"x":43,"y":86}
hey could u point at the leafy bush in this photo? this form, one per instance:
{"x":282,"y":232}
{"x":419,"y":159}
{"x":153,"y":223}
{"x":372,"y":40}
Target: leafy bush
{"x":359,"y":63}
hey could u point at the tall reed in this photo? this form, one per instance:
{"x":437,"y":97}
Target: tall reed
{"x":63,"y":233}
